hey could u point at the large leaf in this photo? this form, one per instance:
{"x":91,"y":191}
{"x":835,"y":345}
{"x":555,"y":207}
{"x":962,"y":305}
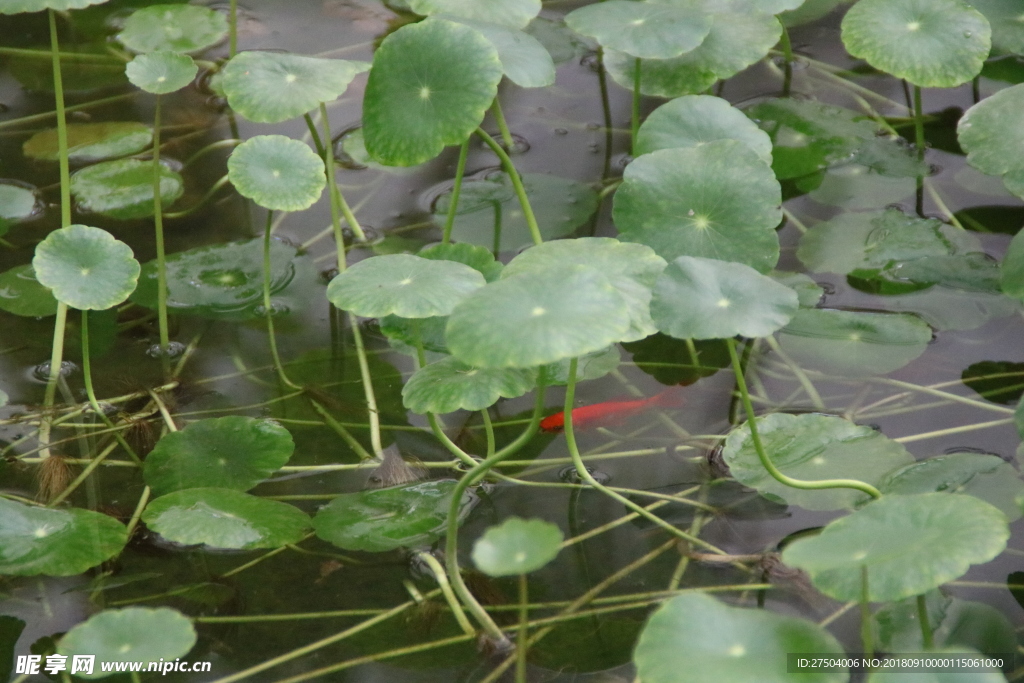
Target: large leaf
{"x":695,"y":119}
{"x":700,"y":298}
{"x":449,"y":385}
{"x":514,"y":13}
{"x":429,"y":87}
{"x":19,"y":6}
{"x":718,"y":200}
{"x":36,"y":540}
{"x":277,"y":172}
{"x":812,"y":447}
{"x":271,"y":87}
{"x":931,"y":43}
{"x":909,"y":545}
{"x":538,"y":318}
{"x":224,"y":518}
{"x":175,"y":28}
{"x":694,"y":638}
{"x":231,"y":452}
{"x":91,"y":141}
{"x":643,"y":29}
{"x":517,"y":546}
{"x":21,"y":294}
{"x":85,"y":267}
{"x":124,"y":188}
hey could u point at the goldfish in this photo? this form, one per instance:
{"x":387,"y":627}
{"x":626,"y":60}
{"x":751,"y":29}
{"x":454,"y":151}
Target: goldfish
{"x":611,"y":412}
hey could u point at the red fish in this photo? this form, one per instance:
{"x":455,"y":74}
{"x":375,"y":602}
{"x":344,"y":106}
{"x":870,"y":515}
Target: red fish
{"x":611,"y":412}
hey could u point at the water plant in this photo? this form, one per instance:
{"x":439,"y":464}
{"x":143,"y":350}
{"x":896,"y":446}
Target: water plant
{"x":336,"y":418}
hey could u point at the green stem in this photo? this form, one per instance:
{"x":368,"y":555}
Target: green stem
{"x":787,"y":50}
{"x":161,"y":257}
{"x":453,"y":200}
{"x":268,"y":310}
{"x":517,"y":183}
{"x":203,"y":201}
{"x":83,"y":475}
{"x":635,"y":122}
{"x":91,"y":393}
{"x":56,"y":357}
{"x":523,"y":636}
{"x":341,"y":431}
{"x":919,"y":122}
{"x":446,"y":590}
{"x":315,"y":135}
{"x":62,"y":126}
{"x":338,"y":202}
{"x":371,"y":398}
{"x":137,"y":515}
{"x":766,"y":462}
{"x":867,"y":636}
{"x":927,"y":638}
{"x":506,"y":134}
{"x":233,"y":29}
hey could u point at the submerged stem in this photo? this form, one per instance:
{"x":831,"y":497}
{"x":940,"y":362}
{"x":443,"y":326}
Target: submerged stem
{"x":62,"y":126}
{"x":499,"y":117}
{"x":338,"y":202}
{"x":635,"y":118}
{"x":233,"y":28}
{"x":56,"y":358}
{"x":268,"y":308}
{"x":517,"y":183}
{"x":91,"y":393}
{"x":161,"y":258}
{"x":453,"y":200}
{"x":787,"y":51}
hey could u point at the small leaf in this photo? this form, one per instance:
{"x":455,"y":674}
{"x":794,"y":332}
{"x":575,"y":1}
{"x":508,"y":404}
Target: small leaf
{"x":909,"y":544}
{"x":695,"y":119}
{"x":992,"y":132}
{"x":812,"y":447}
{"x":231,"y":452}
{"x":132,"y":634}
{"x":403,"y":285}
{"x":478,"y":258}
{"x":86,"y":268}
{"x":517,"y":546}
{"x":224,"y":518}
{"x":379,"y":520}
{"x":271,"y":87}
{"x":449,"y":385}
{"x":277,"y":172}
{"x":91,"y":141}
{"x":174,"y":28}
{"x":934,"y":44}
{"x":161,"y":72}
{"x":21,"y":294}
{"x":17,"y":202}
{"x":643,"y":29}
{"x":513,"y":13}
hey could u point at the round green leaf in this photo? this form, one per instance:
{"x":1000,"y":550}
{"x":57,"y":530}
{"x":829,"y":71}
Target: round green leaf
{"x":478,"y":258}
{"x":223,"y":518}
{"x":718,"y":200}
{"x":271,"y":87}
{"x":517,"y":546}
{"x":91,"y":141}
{"x":812,"y":447}
{"x":132,"y":634}
{"x":175,"y":28}
{"x":161,"y":72}
{"x":736,"y":40}
{"x":694,"y":638}
{"x":695,"y":119}
{"x":909,"y":544}
{"x":642,"y":29}
{"x":631,"y":268}
{"x":17,"y":202}
{"x":19,"y":6}
{"x":231,"y":452}
{"x":429,"y":87}
{"x":513,"y":13}
{"x":21,"y":294}
{"x":541,"y":317}
{"x":86,"y":268}
{"x":992,"y":132}
{"x":36,"y":540}
{"x":379,"y":520}
{"x":225,"y":281}
{"x":124,"y":189}
{"x":449,"y":385}
{"x":589,"y":366}
{"x":987,"y":477}
{"x":1006,"y":17}
{"x":490,"y":215}
{"x":525,"y":61}
{"x":853,"y":343}
{"x":931,"y":43}
{"x":699,"y":298}
{"x":403,"y":285}
{"x":277,"y":172}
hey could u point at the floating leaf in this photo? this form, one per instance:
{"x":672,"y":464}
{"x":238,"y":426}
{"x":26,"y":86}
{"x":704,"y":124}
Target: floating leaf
{"x":475,"y":257}
{"x":934,"y":44}
{"x":987,"y":477}
{"x":517,"y":546}
{"x":695,"y":119}
{"x":1004,"y":16}
{"x":950,"y":309}
{"x":489,"y":213}
{"x":643,"y":29}
{"x":225,"y":281}
{"x":405,"y":333}
{"x":694,"y":638}
{"x":524,"y":60}
{"x":19,"y":6}
{"x":403,"y":285}
{"x":86,"y":268}
{"x":124,"y":188}
{"x":542,"y":317}
{"x":699,"y":298}
{"x":807,"y":290}
{"x":559,"y":40}
{"x":812,"y":447}
{"x":997,"y":381}
{"x":954,"y":623}
{"x":161,"y":72}
{"x":992,"y":132}
{"x":277,"y":172}
{"x":175,"y":28}
{"x":589,"y":366}
{"x":449,"y":385}
{"x":17,"y":202}
{"x":224,"y":518}
{"x":1011,"y":270}
{"x":231,"y":452}
{"x":909,"y":545}
{"x":429,"y":87}
{"x":271,"y":87}
{"x":379,"y":520}
{"x":669,"y":360}
{"x":856,"y":187}
{"x":132,"y":634}
{"x":852,"y":343}
{"x":36,"y":540}
{"x":21,"y":294}
{"x":91,"y":141}
{"x":514,"y":13}
{"x":81,"y":70}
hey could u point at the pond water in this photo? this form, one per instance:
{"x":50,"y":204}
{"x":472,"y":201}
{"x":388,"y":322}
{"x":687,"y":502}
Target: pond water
{"x":574,"y":143}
